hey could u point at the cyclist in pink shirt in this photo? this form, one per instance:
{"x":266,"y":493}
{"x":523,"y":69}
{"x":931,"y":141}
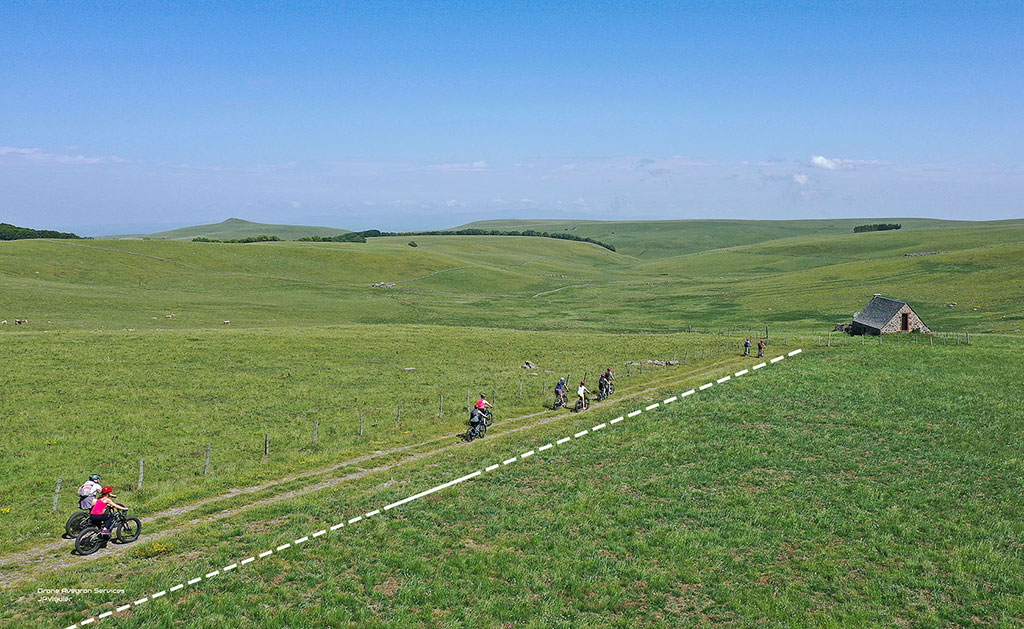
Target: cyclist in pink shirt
{"x":98,"y":514}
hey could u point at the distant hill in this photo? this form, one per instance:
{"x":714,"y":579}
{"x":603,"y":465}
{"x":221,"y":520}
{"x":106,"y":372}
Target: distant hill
{"x":659,"y":239}
{"x":237,"y":228}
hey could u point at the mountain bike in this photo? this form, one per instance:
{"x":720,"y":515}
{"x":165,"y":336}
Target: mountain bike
{"x":582,"y":404}
{"x":479,"y":429}
{"x":123,"y":530}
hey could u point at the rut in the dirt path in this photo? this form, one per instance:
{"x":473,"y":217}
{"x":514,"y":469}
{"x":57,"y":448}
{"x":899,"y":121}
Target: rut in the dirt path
{"x":55,"y":555}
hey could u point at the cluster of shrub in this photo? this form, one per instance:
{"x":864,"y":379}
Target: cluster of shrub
{"x":260,"y":238}
{"x":13,"y":232}
{"x":877,"y":227}
{"x":372,"y":233}
{"x":349,"y":237}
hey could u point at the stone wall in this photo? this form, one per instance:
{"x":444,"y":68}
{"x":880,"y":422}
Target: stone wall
{"x":913,"y":323}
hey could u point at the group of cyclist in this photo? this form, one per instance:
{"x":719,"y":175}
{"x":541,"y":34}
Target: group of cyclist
{"x":98,"y":500}
{"x":604,"y":385}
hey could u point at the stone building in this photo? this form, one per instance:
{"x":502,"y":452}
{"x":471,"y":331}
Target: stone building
{"x":883,"y":315}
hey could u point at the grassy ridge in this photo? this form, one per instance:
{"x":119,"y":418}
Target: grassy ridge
{"x":659,"y":239}
{"x":815,"y":492}
{"x":800,"y":283}
{"x":238,"y":228}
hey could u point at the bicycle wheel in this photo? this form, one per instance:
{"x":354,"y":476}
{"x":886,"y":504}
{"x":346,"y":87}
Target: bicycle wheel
{"x":579,"y":406}
{"x":129,"y":530}
{"x":75,"y":524}
{"x":470,"y":435}
{"x":483,"y":430}
{"x":88,"y":541}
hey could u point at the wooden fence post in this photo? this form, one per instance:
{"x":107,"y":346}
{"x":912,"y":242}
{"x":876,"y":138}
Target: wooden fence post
{"x":829,"y":339}
{"x":520,"y":387}
{"x":56,"y":494}
{"x":266,"y":444}
{"x":469,"y":402}
{"x":141,"y":462}
{"x":440,"y":409}
{"x":398,"y":421}
{"x":968,"y":338}
{"x":206,"y":468}
{"x":361,"y":423}
{"x":316,"y":428}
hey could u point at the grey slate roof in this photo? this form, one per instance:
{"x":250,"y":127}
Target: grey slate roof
{"x":879,"y":311}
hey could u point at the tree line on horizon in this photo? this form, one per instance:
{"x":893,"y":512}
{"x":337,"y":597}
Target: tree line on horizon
{"x":876,"y":227}
{"x":13,"y":232}
{"x":361,"y":236}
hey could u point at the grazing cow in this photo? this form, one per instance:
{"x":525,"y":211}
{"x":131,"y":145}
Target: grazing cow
{"x":4,"y":322}
{"x":169,"y":316}
{"x":226,"y":322}
{"x":20,"y":321}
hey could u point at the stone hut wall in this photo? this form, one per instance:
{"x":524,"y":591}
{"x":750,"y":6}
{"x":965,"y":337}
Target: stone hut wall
{"x":913,"y":322}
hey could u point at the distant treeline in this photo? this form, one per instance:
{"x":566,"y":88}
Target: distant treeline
{"x":349,"y":237}
{"x":260,"y":238}
{"x":13,"y":232}
{"x":373,"y":233}
{"x":877,"y":227}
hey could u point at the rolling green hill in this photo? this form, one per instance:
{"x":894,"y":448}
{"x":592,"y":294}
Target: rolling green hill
{"x":656,"y":239}
{"x":236,"y":228}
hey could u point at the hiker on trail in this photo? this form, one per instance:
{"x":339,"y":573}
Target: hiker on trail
{"x":760,"y":348}
{"x":88,"y":492}
{"x":746,"y":347}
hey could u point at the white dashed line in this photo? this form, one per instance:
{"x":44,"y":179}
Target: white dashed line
{"x":491,"y":468}
{"x":212,"y":574}
{"x":616,"y":420}
{"x":243,"y":562}
{"x":634,"y":413}
{"x":333,"y":528}
{"x":85,"y":622}
{"x":353,"y":520}
{"x":104,"y":615}
{"x":544,"y":447}
{"x":527,"y":454}
{"x":670,"y":400}
{"x":723,"y":379}
{"x":265,"y":553}
{"x":776,"y":359}
{"x":690,"y":392}
{"x":173,"y":589}
{"x":759,"y":365}
{"x":141,"y":601}
{"x":563,"y":440}
{"x":652,"y":407}
{"x":302,"y":539}
{"x":373,"y":513}
{"x":123,"y":608}
{"x":598,"y":427}
{"x":742,"y":373}
{"x":795,"y":352}
{"x":580,"y":434}
{"x":319,"y":533}
{"x":198,"y":579}
{"x":512,"y":460}
{"x":704,"y":386}
{"x":279,"y":549}
{"x":159,"y":594}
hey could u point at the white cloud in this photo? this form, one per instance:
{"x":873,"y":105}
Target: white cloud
{"x":821,"y":161}
{"x":295,"y":204}
{"x":801,"y":180}
{"x":40,"y":155}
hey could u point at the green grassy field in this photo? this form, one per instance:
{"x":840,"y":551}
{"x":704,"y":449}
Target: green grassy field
{"x":815,"y":492}
{"x":853,"y":485}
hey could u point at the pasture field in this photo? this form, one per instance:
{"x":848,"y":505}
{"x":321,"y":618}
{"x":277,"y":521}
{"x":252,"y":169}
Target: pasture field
{"x":856,"y":484}
{"x":824,"y":490}
{"x":801,"y":283}
{"x":238,"y":228}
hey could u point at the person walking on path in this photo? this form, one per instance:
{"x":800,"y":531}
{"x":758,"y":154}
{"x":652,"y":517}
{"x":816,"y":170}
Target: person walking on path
{"x":746,"y":347}
{"x":760,"y":348}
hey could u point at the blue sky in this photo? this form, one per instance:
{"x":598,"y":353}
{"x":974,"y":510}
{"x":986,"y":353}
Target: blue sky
{"x":150,"y":115}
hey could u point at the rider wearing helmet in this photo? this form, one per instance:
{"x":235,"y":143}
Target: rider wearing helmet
{"x":560,"y":389}
{"x":583,"y":390}
{"x":100,"y":514}
{"x":88,"y":491}
{"x":478,"y":410}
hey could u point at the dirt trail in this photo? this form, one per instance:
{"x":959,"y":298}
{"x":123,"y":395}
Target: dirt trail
{"x":23,"y":565}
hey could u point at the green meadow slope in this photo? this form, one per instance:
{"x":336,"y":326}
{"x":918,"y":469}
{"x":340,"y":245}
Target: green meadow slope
{"x":657,"y":239}
{"x":237,"y":228}
{"x":801,"y":283}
